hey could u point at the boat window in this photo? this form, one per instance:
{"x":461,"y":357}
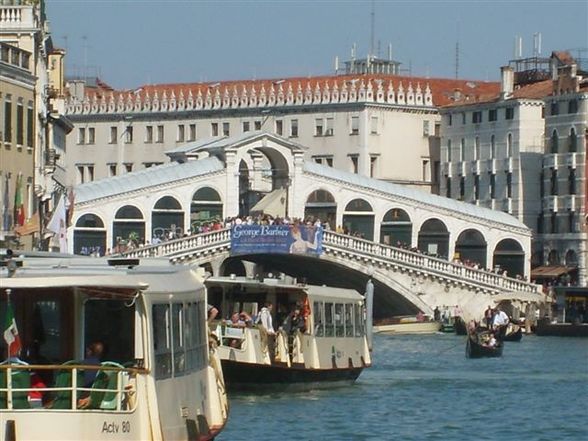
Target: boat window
{"x":348,"y":320}
{"x":195,"y":336}
{"x":178,"y":338}
{"x":161,"y":341}
{"x":319,"y":322}
{"x":47,"y":329}
{"x":359,"y":331}
{"x":329,"y":325}
{"x":339,"y":320}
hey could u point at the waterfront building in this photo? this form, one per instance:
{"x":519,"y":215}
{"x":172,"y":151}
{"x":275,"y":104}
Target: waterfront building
{"x":33,"y":123}
{"x":380,"y":125}
{"x":504,"y":150}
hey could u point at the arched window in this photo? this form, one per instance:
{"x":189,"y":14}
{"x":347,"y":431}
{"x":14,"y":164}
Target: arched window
{"x":573,"y":141}
{"x":510,"y":257}
{"x":470,"y":248}
{"x":492,"y":147}
{"x":358,"y":219}
{"x":167,"y":217}
{"x":128,"y":229}
{"x":509,"y":145}
{"x":554,"y":142}
{"x":89,"y":235}
{"x":434,"y":238}
{"x":396,"y":228}
{"x":321,"y":204}
{"x":571,"y":258}
{"x":462,"y":149}
{"x":206,"y":206}
{"x":449,"y":150}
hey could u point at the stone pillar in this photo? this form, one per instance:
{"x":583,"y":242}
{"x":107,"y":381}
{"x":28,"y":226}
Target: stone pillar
{"x":232,"y":187}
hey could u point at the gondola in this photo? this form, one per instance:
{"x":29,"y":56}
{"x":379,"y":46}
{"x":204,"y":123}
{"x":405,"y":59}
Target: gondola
{"x":476,"y":349}
{"x":514,"y":335}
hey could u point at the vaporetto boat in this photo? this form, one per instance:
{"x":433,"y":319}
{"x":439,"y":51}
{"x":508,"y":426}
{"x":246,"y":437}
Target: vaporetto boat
{"x":332,"y":349}
{"x":158,"y":379}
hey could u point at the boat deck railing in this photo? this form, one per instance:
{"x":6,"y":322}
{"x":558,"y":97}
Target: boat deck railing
{"x":113,"y":387}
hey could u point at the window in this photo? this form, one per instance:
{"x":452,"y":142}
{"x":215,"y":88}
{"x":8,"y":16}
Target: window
{"x":339,"y":320}
{"x":80,"y":173}
{"x":257,"y":125}
{"x":330,"y":127}
{"x":279,"y":127}
{"x":294,"y":128}
{"x":461,"y":188}
{"x":477,"y":117}
{"x":329,"y":161}
{"x":226,"y":127}
{"x":554,"y":221}
{"x":318,"y":127}
{"x":329,"y":325}
{"x":476,"y":187}
{"x":541,"y":184}
{"x":19,"y":124}
{"x":348,"y":308}
{"x":90,"y":173}
{"x":492,"y":185}
{"x":462,"y":149}
{"x":8,"y":119}
{"x":571,"y":180}
{"x":449,"y":150}
{"x":246,"y":126}
{"x":113,"y":135}
{"x":492,"y":115}
{"x":181,"y":133}
{"x":477,"y":152}
{"x":571,"y":221}
{"x":573,"y":106}
{"x":129,"y":135}
{"x":162,"y":341}
{"x":192,"y":135}
{"x":129,"y":167}
{"x":554,"y":142}
{"x":354,"y":163}
{"x":214,"y":129}
{"x":374,"y":125}
{"x":319,"y":321}
{"x":112,"y":170}
{"x":508,"y":184}
{"x":448,"y":186}
{"x":148,"y":134}
{"x":449,"y":119}
{"x":509,"y":145}
{"x":373,"y":165}
{"x":425,"y":170}
{"x":492,"y":147}
{"x":463,"y":118}
{"x":554,"y":110}
{"x":426,"y":128}
{"x":572,"y":141}
{"x":355,"y":125}
{"x":553,"y":182}
{"x":509,"y":113}
{"x":91,"y":135}
{"x":30,"y":124}
{"x":160,"y":134}
{"x":81,"y":135}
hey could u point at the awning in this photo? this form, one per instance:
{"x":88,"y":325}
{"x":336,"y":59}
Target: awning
{"x":551,"y":271}
{"x":31,"y":226}
{"x":273,"y":203}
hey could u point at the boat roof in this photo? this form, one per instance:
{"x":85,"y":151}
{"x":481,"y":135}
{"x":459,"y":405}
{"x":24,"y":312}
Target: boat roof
{"x":313,"y":291}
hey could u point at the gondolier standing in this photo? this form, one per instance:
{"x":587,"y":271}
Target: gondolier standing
{"x":500,"y":323}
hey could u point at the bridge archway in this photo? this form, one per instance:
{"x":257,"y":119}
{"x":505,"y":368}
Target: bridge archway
{"x":396,"y":228}
{"x":89,"y":235}
{"x":509,"y":256}
{"x":434,"y":238}
{"x":206,"y":206}
{"x":167,"y":215}
{"x":128,"y":225}
{"x":321,"y":204}
{"x":471,"y":246}
{"x":358,"y":218}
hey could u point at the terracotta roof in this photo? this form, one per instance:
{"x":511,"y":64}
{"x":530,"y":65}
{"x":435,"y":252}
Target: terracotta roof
{"x":442,"y":89}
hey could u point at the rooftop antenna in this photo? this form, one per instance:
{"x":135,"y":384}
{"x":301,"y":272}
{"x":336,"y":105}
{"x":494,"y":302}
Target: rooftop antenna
{"x":457,"y":53}
{"x":390,"y":51}
{"x":85,"y":39}
{"x":372,"y":28}
{"x":536,"y":44}
{"x":518,"y":47}
{"x":336,"y":64}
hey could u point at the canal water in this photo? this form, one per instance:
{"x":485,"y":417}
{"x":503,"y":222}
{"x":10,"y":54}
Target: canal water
{"x":423,"y":388}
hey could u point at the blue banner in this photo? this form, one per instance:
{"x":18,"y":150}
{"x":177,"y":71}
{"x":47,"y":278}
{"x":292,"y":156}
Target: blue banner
{"x":276,"y":239}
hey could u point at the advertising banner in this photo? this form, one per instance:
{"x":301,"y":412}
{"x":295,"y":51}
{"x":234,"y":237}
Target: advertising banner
{"x":276,"y":239}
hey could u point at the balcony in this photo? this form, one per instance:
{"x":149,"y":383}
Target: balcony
{"x":475,"y":167}
{"x":572,"y":160}
{"x":17,"y":18}
{"x":550,"y":161}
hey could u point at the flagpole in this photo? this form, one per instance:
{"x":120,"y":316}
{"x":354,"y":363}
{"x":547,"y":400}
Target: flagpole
{"x":8,"y":291}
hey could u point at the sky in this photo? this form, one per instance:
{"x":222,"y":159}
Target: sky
{"x":129,"y":43}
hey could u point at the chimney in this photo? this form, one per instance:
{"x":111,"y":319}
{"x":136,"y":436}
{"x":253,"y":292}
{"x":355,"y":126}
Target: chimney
{"x":507,"y":82}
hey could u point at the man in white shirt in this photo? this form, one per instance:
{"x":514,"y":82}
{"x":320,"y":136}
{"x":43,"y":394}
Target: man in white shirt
{"x":500,"y":322}
{"x":265,"y":317}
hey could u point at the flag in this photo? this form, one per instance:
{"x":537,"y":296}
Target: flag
{"x":19,"y":210}
{"x":11,"y":332}
{"x":58,"y":224}
{"x":6,"y":216}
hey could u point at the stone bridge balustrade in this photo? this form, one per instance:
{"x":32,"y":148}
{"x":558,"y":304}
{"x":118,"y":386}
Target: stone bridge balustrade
{"x":202,"y":248}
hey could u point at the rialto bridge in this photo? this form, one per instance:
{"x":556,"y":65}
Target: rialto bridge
{"x":420,"y":250}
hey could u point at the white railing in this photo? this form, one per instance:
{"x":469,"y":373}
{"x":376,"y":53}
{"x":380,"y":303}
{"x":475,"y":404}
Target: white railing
{"x":202,"y":245}
{"x":14,"y":17}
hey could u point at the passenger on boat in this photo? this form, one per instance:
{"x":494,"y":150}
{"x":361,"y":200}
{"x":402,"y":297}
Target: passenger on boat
{"x":294,"y":322}
{"x":489,"y":317}
{"x":265,"y":318}
{"x":94,"y":354}
{"x":212,"y":313}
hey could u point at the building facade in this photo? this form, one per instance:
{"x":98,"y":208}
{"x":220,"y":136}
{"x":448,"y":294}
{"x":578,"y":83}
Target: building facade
{"x":376,"y":125}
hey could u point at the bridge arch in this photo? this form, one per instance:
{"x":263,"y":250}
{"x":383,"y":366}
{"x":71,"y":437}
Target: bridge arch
{"x":471,"y":246}
{"x":167,"y":215}
{"x":206,"y":205}
{"x":434,"y":238}
{"x":396,"y":228}
{"x":321,"y":204}
{"x":359,"y":218}
{"x":509,"y":256}
{"x":89,"y":235}
{"x":128,"y":226}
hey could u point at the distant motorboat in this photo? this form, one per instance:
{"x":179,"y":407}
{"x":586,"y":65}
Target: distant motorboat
{"x":406,"y":325}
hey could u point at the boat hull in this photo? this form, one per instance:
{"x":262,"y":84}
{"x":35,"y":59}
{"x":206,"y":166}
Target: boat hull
{"x":409,"y":328}
{"x":561,"y":329}
{"x":514,"y":336}
{"x":476,"y":350}
{"x":239,"y":375}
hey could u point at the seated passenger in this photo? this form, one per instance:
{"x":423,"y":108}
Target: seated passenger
{"x":294,"y":322}
{"x":94,"y":354}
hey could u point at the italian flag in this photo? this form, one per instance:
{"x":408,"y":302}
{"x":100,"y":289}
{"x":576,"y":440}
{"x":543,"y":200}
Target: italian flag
{"x":19,"y":210}
{"x":11,"y":333}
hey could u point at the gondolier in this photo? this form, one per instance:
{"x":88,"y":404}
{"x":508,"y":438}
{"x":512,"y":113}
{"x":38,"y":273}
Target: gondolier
{"x":500,"y":323}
